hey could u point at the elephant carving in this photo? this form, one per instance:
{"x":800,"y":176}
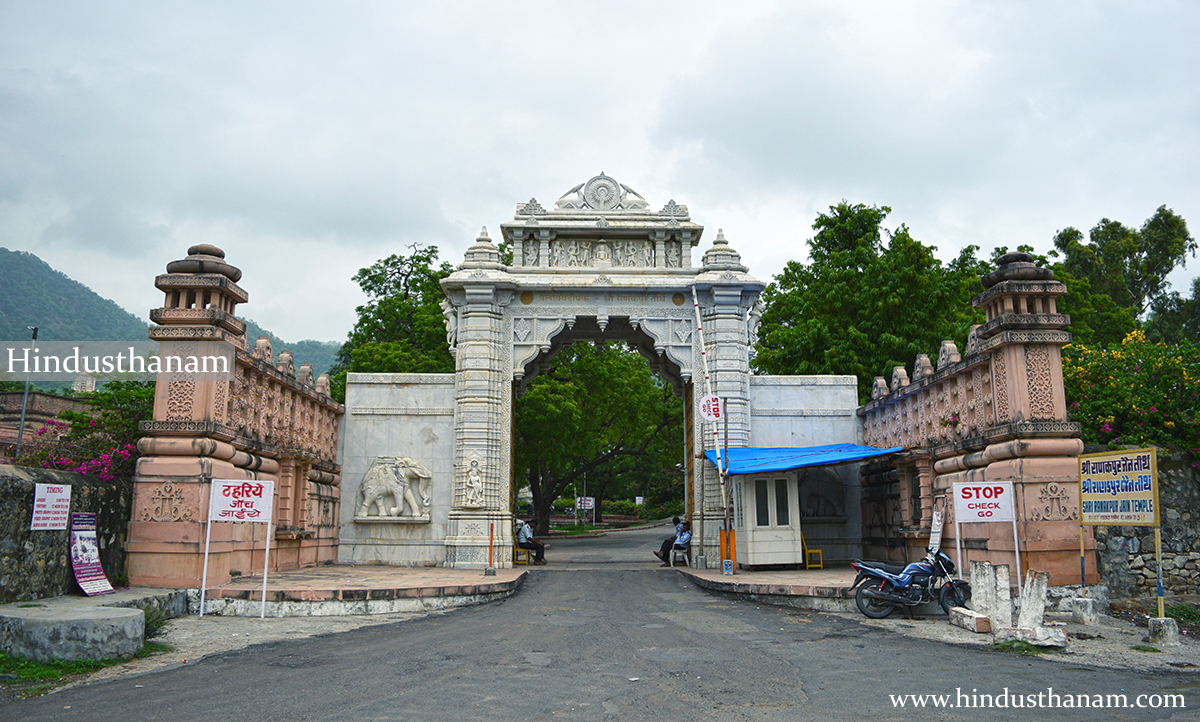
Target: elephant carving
{"x":388,"y":488}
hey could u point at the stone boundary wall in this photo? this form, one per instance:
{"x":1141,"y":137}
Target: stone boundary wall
{"x":1125,"y":554}
{"x":37,"y":564}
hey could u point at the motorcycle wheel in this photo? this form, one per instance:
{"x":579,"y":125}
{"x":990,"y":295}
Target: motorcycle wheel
{"x":954,"y":594}
{"x":874,"y":608}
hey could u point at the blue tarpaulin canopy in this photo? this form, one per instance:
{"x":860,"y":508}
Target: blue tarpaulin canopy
{"x":752,"y":460}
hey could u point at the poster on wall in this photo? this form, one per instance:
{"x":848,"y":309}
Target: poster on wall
{"x":85,"y":555}
{"x":51,"y":507}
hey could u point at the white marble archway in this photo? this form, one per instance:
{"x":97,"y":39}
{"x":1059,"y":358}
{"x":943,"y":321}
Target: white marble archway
{"x":598,"y":265}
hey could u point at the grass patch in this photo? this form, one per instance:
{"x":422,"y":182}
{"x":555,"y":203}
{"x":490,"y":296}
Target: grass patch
{"x":1183,"y":613}
{"x":577,"y":529}
{"x":1016,"y":646}
{"x":1145,"y":648}
{"x":156,"y":622}
{"x":33,"y":678}
{"x":149,"y":649}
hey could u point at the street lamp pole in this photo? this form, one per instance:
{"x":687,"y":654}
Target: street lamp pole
{"x":25,"y":399}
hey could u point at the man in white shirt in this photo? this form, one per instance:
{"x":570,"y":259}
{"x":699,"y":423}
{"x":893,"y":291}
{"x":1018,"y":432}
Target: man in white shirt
{"x":525,"y":540}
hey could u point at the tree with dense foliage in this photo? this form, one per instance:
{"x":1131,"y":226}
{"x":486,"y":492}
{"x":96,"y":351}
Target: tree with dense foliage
{"x":1119,"y":273}
{"x":1175,"y":319}
{"x":1135,"y":393}
{"x":861,"y":307}
{"x":595,"y":405}
{"x":401,"y":329}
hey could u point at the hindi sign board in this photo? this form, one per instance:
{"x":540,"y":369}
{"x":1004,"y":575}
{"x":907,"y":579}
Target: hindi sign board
{"x":234,"y":500}
{"x":239,"y":500}
{"x":51,"y":507}
{"x":1119,"y":488}
{"x":984,"y":501}
{"x":711,"y":408}
{"x":85,"y":555}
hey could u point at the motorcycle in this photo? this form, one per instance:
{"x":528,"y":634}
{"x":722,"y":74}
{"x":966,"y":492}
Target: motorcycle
{"x":880,"y":588}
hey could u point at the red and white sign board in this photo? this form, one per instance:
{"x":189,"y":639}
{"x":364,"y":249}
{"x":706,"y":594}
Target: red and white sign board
{"x":51,"y":507}
{"x":585,"y":502}
{"x":250,"y":501}
{"x":244,"y":501}
{"x":985,"y":501}
{"x":711,"y":408}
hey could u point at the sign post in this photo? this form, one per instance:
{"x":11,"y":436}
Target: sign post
{"x":982,"y":503}
{"x":240,"y":500}
{"x":1120,"y":488}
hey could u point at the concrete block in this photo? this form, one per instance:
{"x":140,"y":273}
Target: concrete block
{"x":1033,"y":599}
{"x":1038,"y":636}
{"x":1164,"y":631}
{"x":1085,"y":610}
{"x":970,"y":620}
{"x":983,"y":587}
{"x":45,"y":634}
{"x":1002,"y":612}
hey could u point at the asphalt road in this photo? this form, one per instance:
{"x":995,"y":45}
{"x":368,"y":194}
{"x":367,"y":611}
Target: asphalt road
{"x":603,"y":633}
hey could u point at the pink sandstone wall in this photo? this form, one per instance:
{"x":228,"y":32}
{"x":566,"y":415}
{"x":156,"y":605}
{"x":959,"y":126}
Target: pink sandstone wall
{"x":264,"y":420}
{"x":995,"y":413}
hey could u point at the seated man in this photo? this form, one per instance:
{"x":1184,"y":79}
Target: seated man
{"x":679,"y":541}
{"x":525,"y":540}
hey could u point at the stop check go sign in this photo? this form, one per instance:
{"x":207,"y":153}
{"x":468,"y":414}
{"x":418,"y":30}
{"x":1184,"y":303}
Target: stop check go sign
{"x":711,"y":408}
{"x":984,"y":501}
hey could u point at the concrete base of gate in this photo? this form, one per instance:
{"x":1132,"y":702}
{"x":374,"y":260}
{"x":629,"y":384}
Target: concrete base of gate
{"x":826,"y":590}
{"x":347,"y":589}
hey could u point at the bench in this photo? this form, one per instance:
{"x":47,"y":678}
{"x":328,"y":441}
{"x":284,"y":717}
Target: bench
{"x":682,"y":551}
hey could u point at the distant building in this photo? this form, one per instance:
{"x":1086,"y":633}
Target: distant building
{"x":84,"y":384}
{"x":41,"y":408}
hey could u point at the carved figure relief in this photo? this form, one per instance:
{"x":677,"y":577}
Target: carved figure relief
{"x":474,"y":486}
{"x":451,"y":315}
{"x":753,"y":320}
{"x":529,"y":253}
{"x":166,"y":505}
{"x":388,"y":489}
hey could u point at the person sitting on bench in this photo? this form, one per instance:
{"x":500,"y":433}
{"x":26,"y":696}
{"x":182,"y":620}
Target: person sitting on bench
{"x":525,"y":540}
{"x":679,"y":541}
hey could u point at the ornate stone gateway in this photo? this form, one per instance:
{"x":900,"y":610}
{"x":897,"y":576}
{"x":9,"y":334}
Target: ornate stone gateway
{"x":598,"y":266}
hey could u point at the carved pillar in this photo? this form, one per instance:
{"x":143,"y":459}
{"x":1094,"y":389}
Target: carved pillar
{"x":483,"y":406}
{"x":187,"y":443}
{"x":544,"y":237}
{"x":724,"y":308}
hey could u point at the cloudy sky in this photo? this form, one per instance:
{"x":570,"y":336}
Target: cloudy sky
{"x":311,"y":139}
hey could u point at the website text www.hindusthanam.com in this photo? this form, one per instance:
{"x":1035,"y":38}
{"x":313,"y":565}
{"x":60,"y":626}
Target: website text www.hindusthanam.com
{"x":1042,"y":699}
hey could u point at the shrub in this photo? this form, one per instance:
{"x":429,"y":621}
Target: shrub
{"x":1136,"y":393}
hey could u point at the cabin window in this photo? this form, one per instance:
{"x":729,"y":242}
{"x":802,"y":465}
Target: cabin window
{"x":772,"y":502}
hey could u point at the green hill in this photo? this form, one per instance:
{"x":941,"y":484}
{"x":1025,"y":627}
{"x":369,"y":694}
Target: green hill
{"x":34,"y":294}
{"x":321,"y":354}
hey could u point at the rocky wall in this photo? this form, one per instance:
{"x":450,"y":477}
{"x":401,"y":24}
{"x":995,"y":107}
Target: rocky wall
{"x":37,"y":564}
{"x":1125,"y":554}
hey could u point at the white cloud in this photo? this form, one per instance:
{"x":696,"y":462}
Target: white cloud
{"x":309,"y":141}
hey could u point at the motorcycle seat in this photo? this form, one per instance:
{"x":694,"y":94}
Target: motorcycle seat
{"x":889,"y":568}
